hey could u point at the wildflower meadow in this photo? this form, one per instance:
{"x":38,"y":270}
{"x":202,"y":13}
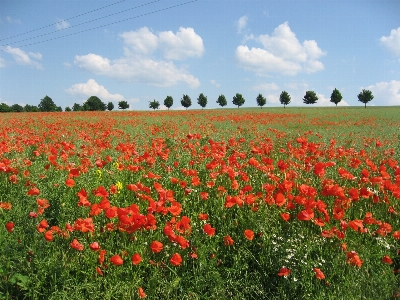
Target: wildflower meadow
{"x":294,"y":203}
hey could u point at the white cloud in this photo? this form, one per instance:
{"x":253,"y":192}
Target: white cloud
{"x":62,"y":25}
{"x":142,"y":41}
{"x":281,"y":53}
{"x":92,"y":88}
{"x":2,"y":62}
{"x":23,"y":58}
{"x":185,"y":43}
{"x":215,"y":83}
{"x":324,"y":101}
{"x":137,"y":65}
{"x":386,"y":93}
{"x":392,"y":42}
{"x":137,"y":69}
{"x":11,"y":20}
{"x":266,"y":87}
{"x":242,"y":23}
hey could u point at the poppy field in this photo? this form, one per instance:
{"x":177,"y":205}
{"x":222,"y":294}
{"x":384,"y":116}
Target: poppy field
{"x":294,"y":203}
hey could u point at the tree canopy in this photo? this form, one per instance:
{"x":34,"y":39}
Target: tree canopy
{"x":154,"y":104}
{"x":94,"y":104}
{"x":168,"y":102}
{"x":365,"y":96}
{"x":47,"y":104}
{"x":284,"y":98}
{"x":123,"y":104}
{"x":186,"y":101}
{"x":110,"y":106}
{"x":261,"y":101}
{"x":238,"y":100}
{"x":336,"y":96}
{"x":222,"y":100}
{"x":202,"y":100}
{"x":310,"y":97}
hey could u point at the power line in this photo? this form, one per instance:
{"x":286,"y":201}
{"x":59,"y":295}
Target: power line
{"x":135,"y":17}
{"x":122,"y":11}
{"x":62,"y":20}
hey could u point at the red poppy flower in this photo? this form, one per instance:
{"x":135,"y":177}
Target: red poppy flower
{"x":95,"y":246}
{"x":208,"y":229}
{"x":249,"y":234}
{"x":10,"y":226}
{"x":285,"y":216}
{"x":136,"y":259}
{"x":70,"y":183}
{"x":99,"y":271}
{"x":176,"y":259}
{"x":48,"y":236}
{"x":76,"y":245}
{"x":102,"y":255}
{"x":284,"y":272}
{"x":228,"y":241}
{"x":116,"y":260}
{"x":319,"y":274}
{"x":305,"y":215}
{"x":203,"y":216}
{"x":141,"y":293}
{"x":33,"y":192}
{"x":156,"y":247}
{"x":387,"y":260}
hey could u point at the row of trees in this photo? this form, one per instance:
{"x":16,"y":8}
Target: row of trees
{"x":47,"y":105}
{"x":309,"y":98}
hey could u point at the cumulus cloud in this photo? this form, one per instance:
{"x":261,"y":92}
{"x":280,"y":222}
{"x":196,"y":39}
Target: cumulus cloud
{"x":62,"y":25}
{"x":137,"y":64}
{"x":92,"y":88}
{"x":392,"y":42}
{"x":2,"y":62}
{"x":281,"y":53}
{"x":324,"y":101}
{"x":386,"y":93}
{"x":23,"y":58}
{"x":242,"y":23}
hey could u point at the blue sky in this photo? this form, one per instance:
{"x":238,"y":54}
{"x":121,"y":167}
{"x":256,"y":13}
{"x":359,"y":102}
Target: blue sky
{"x":144,"y":49}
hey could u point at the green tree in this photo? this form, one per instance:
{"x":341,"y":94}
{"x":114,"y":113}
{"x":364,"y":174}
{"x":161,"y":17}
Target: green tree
{"x":5,"y":108}
{"x":110,"y":106}
{"x":284,"y":98}
{"x":222,"y":100}
{"x":168,"y":102}
{"x":31,"y":108}
{"x":154,"y":104}
{"x":67,"y":108}
{"x":186,"y":101}
{"x":17,"y":108}
{"x":123,"y":104}
{"x":261,"y":101}
{"x":310,"y":97}
{"x":365,"y":96}
{"x":77,"y":107}
{"x":59,"y":108}
{"x":202,"y":100}
{"x":336,"y":96}
{"x":47,"y":104}
{"x":238,"y":100}
{"x":94,"y":104}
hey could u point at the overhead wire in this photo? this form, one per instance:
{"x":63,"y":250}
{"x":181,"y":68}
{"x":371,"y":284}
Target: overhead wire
{"x":112,"y":23}
{"x":62,"y":20}
{"x":69,"y":27}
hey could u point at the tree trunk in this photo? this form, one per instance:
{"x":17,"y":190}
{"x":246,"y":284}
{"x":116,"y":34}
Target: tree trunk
{"x":365,"y":105}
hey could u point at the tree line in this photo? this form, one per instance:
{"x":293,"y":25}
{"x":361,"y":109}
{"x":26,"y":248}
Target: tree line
{"x":47,"y":104}
{"x":309,"y":98}
{"x":93,"y":103}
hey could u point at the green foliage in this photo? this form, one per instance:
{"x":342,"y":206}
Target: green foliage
{"x":186,"y":101}
{"x":310,"y":97}
{"x":31,"y":108}
{"x":94,"y":104}
{"x":168,"y":102}
{"x":284,"y":98}
{"x":77,"y":107}
{"x":154,"y":104}
{"x":336,"y":96}
{"x":47,"y":104}
{"x":5,"y":108}
{"x":238,"y":100}
{"x":261,"y":101}
{"x":17,"y":108}
{"x":123,"y":104}
{"x":67,"y":108}
{"x":202,"y":100}
{"x":365,"y":96}
{"x":110,"y":106}
{"x":222,"y":100}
